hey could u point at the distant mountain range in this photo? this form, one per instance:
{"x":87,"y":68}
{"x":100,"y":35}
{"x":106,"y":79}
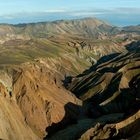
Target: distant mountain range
{"x":88,"y":27}
{"x":89,"y":33}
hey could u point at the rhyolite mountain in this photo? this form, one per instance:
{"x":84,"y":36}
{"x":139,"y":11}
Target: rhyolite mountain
{"x":88,"y":27}
{"x":69,"y":80}
{"x":87,"y":39}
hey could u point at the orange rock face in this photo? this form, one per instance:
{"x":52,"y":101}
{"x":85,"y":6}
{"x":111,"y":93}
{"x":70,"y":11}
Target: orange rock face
{"x":37,"y":102}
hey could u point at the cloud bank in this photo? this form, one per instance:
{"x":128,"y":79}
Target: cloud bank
{"x":117,"y":16}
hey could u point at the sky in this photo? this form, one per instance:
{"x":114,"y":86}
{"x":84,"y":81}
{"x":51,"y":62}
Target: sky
{"x":116,"y":12}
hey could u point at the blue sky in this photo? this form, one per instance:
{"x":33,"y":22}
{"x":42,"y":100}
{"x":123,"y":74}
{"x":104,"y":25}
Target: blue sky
{"x":117,"y":12}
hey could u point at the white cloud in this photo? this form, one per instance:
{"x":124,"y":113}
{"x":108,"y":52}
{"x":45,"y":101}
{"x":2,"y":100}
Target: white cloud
{"x":7,"y":17}
{"x":127,"y":10}
{"x":86,"y":13}
{"x":123,"y":14}
{"x":55,"y":11}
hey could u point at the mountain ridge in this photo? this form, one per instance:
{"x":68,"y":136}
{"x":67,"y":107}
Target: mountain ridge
{"x":69,"y":80}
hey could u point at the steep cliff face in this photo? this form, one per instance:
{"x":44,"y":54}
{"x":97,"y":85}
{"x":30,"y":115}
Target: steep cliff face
{"x":41,"y":100}
{"x":35,"y":103}
{"x":13,"y":125}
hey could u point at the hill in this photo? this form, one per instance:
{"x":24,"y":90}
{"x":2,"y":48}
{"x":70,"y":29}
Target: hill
{"x":69,"y":80}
